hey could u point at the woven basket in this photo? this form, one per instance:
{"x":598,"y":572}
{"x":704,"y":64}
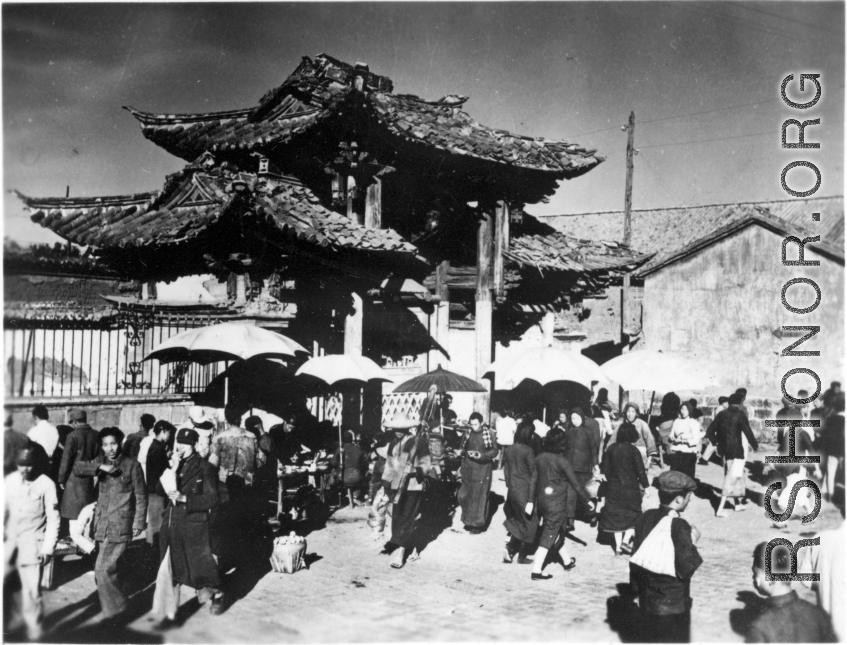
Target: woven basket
{"x":288,"y":558}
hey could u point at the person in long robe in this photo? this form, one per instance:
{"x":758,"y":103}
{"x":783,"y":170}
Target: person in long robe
{"x":521,"y":475}
{"x":556,"y":492}
{"x":623,"y":468}
{"x":407,"y":466}
{"x":184,"y":541}
{"x":478,"y":455}
{"x":582,"y":452}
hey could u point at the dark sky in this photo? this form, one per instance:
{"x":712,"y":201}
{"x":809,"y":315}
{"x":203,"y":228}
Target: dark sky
{"x":703,"y":79}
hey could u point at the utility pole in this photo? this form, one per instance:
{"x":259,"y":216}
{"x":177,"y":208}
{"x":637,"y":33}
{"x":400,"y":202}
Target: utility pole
{"x":627,"y":222}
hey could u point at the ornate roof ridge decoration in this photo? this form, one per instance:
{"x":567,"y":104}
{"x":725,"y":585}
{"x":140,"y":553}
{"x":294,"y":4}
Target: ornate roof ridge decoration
{"x":319,"y":89}
{"x":195,"y":199}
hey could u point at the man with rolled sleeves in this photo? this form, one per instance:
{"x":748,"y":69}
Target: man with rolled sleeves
{"x":664,"y":560}
{"x":31,"y":531}
{"x":81,"y":445}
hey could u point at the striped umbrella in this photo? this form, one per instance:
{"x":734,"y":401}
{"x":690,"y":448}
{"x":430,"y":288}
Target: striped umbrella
{"x":444,"y":380}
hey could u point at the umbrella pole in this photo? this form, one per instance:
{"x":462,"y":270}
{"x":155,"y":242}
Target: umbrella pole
{"x":226,"y":391}
{"x":650,"y":416}
{"x":341,"y":461}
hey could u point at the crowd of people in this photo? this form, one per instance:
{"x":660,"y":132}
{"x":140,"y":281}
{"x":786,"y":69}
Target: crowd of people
{"x":196,"y":491}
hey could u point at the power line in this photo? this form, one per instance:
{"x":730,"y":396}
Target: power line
{"x":740,"y":23}
{"x":680,"y":143}
{"x":661,"y":182}
{"x":791,"y":20}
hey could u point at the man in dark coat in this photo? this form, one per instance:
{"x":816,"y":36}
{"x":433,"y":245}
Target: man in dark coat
{"x":728,"y":427}
{"x":157,"y":463}
{"x":582,"y":452}
{"x":13,"y":443}
{"x":121,"y":515}
{"x":81,"y":445}
{"x":785,"y":617}
{"x":184,"y":541}
{"x":661,"y":578}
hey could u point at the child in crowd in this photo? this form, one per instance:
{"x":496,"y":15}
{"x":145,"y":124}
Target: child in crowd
{"x":786,"y":618}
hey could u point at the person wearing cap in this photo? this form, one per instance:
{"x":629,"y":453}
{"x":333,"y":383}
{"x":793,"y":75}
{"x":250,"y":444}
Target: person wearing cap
{"x":185,"y":540}
{"x":121,"y":516}
{"x":646,"y":444}
{"x":407,"y":464}
{"x":82,"y":445}
{"x":664,"y":559}
{"x":31,"y":530}
{"x":203,"y":426}
{"x":728,"y":428}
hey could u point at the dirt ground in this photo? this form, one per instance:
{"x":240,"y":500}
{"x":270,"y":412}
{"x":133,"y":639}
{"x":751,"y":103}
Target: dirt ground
{"x":458,"y":591}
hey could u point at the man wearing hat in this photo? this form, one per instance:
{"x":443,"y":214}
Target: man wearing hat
{"x":31,"y":532}
{"x":184,"y":540}
{"x":81,"y":445}
{"x":203,"y":426}
{"x":730,"y":428}
{"x":663,"y":561}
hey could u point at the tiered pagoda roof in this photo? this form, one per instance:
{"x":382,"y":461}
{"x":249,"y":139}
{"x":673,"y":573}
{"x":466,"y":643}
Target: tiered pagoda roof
{"x":316,"y":91}
{"x":193,"y":201}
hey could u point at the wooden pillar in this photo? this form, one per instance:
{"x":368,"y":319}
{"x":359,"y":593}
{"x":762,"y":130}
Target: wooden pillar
{"x":548,"y":324}
{"x":351,"y":409}
{"x":501,"y":244}
{"x":483,"y":327}
{"x":373,"y":205}
{"x":442,"y":309}
{"x":351,"y":191}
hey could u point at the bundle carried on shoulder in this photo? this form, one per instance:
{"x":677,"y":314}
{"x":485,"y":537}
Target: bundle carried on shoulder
{"x":288,"y":553}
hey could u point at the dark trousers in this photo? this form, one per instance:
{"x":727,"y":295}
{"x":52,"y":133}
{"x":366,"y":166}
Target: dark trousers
{"x":405,"y":513}
{"x":110,"y":587}
{"x":672,"y":628}
{"x":684,"y":462}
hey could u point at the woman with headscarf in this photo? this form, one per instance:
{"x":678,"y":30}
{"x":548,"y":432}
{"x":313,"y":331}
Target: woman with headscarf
{"x":626,"y":478}
{"x":407,"y":465}
{"x":521,"y":474}
{"x":684,"y":439}
{"x":582,"y":450}
{"x":645,"y":444}
{"x":556,"y":493}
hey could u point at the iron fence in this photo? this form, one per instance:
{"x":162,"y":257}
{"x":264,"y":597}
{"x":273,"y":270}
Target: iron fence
{"x":101,"y":358}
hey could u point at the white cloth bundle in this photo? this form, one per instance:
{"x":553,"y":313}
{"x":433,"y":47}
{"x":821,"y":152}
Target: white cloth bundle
{"x":657,"y":553}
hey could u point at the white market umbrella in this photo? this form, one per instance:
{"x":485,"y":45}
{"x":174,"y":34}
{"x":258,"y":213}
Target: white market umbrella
{"x":342,"y":367}
{"x":545,"y":365}
{"x":659,"y":371}
{"x":225,"y":342}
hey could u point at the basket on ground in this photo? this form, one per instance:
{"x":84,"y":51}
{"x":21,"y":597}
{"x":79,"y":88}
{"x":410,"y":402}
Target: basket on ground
{"x":289,"y":554}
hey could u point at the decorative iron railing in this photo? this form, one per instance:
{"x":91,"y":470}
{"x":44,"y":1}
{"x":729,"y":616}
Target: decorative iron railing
{"x":51,"y":358}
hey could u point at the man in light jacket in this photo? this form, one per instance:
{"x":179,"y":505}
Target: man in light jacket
{"x":31,"y":531}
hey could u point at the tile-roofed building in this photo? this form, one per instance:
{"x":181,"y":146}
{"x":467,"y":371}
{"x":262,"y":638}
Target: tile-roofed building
{"x":321,"y":90}
{"x":667,"y":232}
{"x":193,"y":201}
